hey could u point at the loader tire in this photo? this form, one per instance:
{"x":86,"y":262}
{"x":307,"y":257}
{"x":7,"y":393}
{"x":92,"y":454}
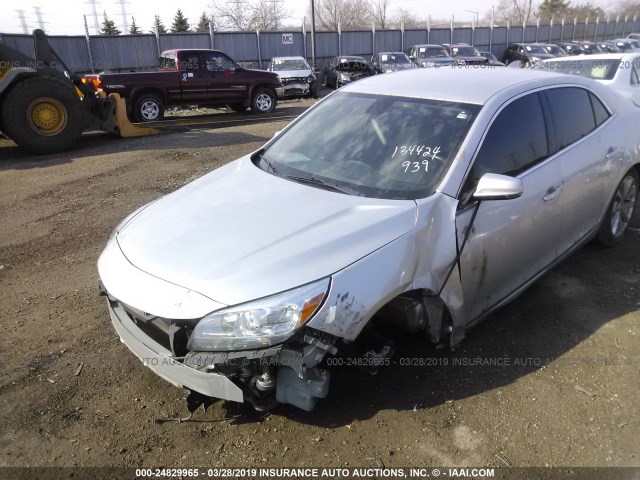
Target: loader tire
{"x":42,"y":114}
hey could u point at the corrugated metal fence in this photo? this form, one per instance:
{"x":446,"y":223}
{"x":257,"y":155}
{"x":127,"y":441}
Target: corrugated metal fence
{"x":253,"y":49}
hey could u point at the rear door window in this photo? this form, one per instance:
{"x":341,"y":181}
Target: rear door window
{"x":572,"y":114}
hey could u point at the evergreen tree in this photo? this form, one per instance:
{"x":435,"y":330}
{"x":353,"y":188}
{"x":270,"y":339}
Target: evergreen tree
{"x":180,"y":23}
{"x":109,"y":27}
{"x":158,"y":26}
{"x":203,"y":24}
{"x":134,"y":29}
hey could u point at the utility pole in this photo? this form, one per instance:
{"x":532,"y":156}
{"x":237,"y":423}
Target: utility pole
{"x":313,"y":36}
{"x":23,"y":21}
{"x":41,"y":21}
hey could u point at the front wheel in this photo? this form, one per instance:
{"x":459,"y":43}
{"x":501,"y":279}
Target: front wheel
{"x":148,"y":108}
{"x":264,"y":101}
{"x":618,"y":216}
{"x":42,"y":114}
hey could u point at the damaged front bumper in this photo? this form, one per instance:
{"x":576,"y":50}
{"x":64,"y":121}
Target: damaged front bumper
{"x":162,"y":362}
{"x":281,"y":374}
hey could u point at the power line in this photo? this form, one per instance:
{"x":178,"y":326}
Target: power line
{"x":125,"y":18}
{"x":41,"y":21}
{"x":94,"y":14}
{"x":23,"y":21}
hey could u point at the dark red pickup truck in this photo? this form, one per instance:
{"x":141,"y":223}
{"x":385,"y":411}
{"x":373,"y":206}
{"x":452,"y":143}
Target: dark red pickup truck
{"x":193,"y":77}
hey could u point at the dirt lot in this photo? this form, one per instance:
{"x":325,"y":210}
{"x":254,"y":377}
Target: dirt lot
{"x":565,"y":393}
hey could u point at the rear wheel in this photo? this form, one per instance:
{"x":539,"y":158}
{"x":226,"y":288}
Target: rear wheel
{"x":263,"y":101}
{"x":618,"y":216}
{"x":42,"y":114}
{"x":148,"y":108}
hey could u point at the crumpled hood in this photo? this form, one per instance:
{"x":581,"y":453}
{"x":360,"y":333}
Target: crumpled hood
{"x":293,"y":73}
{"x":240,"y":233}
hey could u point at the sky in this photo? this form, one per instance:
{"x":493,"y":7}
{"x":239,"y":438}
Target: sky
{"x":65,"y":17}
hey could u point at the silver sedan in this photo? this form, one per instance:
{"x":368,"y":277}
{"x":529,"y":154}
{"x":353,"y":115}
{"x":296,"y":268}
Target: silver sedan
{"x":620,"y":71}
{"x":415,"y":195}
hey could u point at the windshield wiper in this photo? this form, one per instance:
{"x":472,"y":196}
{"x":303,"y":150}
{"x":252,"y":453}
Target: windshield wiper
{"x":260,"y":154}
{"x":326,"y":185}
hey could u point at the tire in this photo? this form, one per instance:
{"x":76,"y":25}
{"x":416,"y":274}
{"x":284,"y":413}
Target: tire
{"x":620,"y":211}
{"x":263,"y":100}
{"x":237,"y":107}
{"x":42,"y":114}
{"x":148,"y":108}
{"x":314,"y":90}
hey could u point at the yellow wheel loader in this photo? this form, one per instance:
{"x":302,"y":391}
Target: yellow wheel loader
{"x":44,"y":107}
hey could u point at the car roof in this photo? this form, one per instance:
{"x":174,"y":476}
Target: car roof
{"x":390,"y":53}
{"x":452,"y":84}
{"x":597,"y":56}
{"x":428,"y":45}
{"x":288,"y":58}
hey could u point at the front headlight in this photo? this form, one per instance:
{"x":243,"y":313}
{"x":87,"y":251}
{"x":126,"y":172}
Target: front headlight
{"x":429,"y":64}
{"x":310,"y":79}
{"x":344,"y":78}
{"x":260,"y":323}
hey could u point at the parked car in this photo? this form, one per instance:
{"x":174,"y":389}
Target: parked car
{"x":635,"y":43}
{"x":590,"y":48}
{"x":492,"y":60}
{"x":624,"y":44}
{"x":387,"y":62}
{"x":525,"y":53}
{"x":553,"y":50}
{"x":296,"y":76}
{"x":620,"y":71}
{"x":635,"y":36}
{"x":193,"y":77}
{"x":428,"y":56}
{"x":609,"y":47}
{"x":415,"y":195}
{"x":342,"y":70}
{"x":466,"y":53}
{"x":571,"y":48}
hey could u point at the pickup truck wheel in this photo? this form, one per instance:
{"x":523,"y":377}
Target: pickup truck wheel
{"x":237,"y":107}
{"x":148,"y":108}
{"x":618,"y":216}
{"x":42,"y":114}
{"x":264,"y":101}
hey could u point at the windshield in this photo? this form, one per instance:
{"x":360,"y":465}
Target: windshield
{"x":591,"y":48}
{"x":534,"y":49}
{"x":489,"y":56}
{"x":466,"y":51}
{"x":394,"y":58}
{"x":597,"y":69}
{"x":282,"y":65}
{"x":554,"y":50}
{"x":432,"y":52}
{"x":609,"y":47}
{"x":352,"y":64}
{"x":377,"y":146}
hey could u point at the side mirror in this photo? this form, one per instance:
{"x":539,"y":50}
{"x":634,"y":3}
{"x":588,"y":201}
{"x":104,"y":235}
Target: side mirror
{"x":498,"y":187}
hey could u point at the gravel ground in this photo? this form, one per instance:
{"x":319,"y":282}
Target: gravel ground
{"x":565,"y":393}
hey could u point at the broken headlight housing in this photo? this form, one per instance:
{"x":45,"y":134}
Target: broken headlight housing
{"x":259,"y":323}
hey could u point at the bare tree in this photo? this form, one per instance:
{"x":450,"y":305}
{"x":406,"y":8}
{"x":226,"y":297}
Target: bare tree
{"x":247,"y":15}
{"x":380,"y":8}
{"x":407,"y":18}
{"x":349,"y":14}
{"x":627,"y":7}
{"x":515,"y":11}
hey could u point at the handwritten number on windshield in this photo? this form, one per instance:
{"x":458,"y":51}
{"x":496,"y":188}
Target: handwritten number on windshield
{"x":415,"y":166}
{"x":415,"y":150}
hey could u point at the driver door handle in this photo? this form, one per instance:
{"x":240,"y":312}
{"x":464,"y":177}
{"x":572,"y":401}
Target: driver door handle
{"x":553,"y":192}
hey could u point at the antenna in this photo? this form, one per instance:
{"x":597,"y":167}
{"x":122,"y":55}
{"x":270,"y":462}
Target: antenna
{"x":94,"y":14}
{"x":125,"y":17}
{"x":23,"y":21}
{"x":41,"y":21}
